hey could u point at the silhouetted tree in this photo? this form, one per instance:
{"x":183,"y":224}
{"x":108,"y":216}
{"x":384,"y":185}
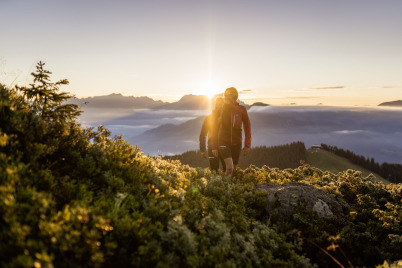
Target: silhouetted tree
{"x":44,"y":98}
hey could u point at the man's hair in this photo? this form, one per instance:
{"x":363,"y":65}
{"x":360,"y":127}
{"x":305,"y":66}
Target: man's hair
{"x":218,"y":100}
{"x":232,"y":92}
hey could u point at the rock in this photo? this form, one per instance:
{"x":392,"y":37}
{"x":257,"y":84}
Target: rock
{"x":284,"y":200}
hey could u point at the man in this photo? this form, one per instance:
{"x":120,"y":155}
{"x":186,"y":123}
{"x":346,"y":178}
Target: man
{"x":233,"y":118}
{"x":209,"y":128}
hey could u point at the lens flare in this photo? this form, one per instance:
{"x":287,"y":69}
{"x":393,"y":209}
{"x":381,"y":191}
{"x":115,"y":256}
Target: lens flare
{"x":210,"y":89}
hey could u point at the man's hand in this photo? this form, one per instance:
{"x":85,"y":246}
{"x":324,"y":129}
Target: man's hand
{"x":245,"y":150}
{"x":204,"y":154}
{"x":215,"y":152}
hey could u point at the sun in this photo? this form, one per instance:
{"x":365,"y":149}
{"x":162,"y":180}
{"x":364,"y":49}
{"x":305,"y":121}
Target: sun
{"x":210,"y":89}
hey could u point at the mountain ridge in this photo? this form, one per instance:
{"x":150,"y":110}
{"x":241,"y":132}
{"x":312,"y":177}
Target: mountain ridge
{"x":118,"y":101}
{"x":397,"y":103}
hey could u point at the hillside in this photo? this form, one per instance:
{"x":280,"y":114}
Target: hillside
{"x":170,"y":138}
{"x":328,"y":161}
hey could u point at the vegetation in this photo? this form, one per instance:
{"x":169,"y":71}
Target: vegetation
{"x":74,"y":197}
{"x":391,"y":172}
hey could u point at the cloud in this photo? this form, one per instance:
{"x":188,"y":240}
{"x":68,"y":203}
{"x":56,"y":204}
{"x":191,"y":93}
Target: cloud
{"x":301,"y":98}
{"x":391,"y":86}
{"x":282,"y":98}
{"x":245,"y":91}
{"x":320,"y":88}
{"x":358,"y":131}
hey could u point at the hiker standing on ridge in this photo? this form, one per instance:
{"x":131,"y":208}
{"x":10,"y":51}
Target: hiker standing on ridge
{"x":233,"y":117}
{"x":209,"y":128}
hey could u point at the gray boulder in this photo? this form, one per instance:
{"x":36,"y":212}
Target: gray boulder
{"x":284,"y":200}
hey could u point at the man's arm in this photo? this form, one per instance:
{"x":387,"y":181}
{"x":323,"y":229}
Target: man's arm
{"x":214,"y":134}
{"x":203,"y":135}
{"x":247,"y":128}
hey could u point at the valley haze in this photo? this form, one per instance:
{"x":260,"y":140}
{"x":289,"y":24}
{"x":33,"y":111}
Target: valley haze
{"x":161,"y":128}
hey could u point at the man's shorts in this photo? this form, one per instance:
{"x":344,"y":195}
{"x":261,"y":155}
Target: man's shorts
{"x":233,"y":151}
{"x":214,"y":161}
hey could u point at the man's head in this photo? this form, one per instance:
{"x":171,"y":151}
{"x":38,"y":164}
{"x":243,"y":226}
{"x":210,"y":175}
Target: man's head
{"x":231,"y":95}
{"x":219,"y":103}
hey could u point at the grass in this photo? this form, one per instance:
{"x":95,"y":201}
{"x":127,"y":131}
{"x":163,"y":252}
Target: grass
{"x":328,"y":161}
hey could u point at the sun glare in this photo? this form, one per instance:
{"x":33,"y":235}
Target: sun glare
{"x":209,"y":89}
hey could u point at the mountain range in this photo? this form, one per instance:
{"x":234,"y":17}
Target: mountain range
{"x":118,"y":101}
{"x":187,"y":102}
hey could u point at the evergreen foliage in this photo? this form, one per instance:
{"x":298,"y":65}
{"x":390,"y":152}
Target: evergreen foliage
{"x":281,"y":156}
{"x":44,"y":99}
{"x":74,"y":197}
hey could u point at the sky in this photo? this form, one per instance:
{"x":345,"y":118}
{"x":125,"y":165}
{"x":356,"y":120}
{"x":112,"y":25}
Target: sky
{"x":305,"y":52}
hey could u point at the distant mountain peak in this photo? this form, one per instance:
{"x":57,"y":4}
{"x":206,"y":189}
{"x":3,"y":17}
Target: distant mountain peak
{"x":397,"y":103}
{"x":261,"y":104}
{"x":193,"y":97}
{"x":117,"y":100}
{"x":189,"y":102}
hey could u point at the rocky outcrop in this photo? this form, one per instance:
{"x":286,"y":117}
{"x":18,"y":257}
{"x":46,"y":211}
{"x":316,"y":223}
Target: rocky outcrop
{"x":284,"y":200}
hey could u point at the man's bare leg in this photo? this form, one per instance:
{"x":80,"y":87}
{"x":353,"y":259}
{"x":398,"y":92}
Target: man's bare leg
{"x":229,"y":166}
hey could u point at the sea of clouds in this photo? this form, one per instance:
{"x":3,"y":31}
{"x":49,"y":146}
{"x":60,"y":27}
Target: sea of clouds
{"x":372,"y":132}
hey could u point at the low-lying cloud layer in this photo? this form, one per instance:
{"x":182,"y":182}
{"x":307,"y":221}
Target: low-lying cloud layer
{"x":372,"y":132}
